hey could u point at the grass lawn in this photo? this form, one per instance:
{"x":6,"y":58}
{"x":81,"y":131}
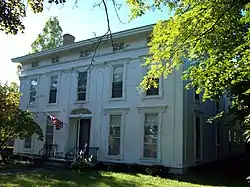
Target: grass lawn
{"x":106,"y":179}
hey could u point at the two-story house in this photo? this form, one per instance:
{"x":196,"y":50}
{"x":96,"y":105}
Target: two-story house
{"x":100,"y":105}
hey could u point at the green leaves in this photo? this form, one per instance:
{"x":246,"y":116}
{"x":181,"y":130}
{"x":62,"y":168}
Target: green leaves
{"x":212,"y":38}
{"x":12,"y":13}
{"x":51,"y":36}
{"x":14,"y":123}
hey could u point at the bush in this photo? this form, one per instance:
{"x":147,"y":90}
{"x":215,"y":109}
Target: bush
{"x":82,"y":162}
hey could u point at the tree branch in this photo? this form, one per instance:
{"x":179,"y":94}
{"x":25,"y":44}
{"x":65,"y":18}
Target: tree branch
{"x":214,"y":24}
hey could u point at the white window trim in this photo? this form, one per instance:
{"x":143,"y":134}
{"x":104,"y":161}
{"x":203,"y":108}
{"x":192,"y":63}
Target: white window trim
{"x":108,"y":113}
{"x":112,"y":66}
{"x":151,"y":110}
{"x":201,"y":138}
{"x":57,"y":93}
{"x":37,"y":89}
{"x":87,"y":87}
{"x":160,"y":95}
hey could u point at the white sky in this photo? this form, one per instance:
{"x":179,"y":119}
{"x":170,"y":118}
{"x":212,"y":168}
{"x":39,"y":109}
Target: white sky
{"x":80,"y":22}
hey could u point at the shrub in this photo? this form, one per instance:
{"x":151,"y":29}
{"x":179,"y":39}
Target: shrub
{"x":82,"y":162}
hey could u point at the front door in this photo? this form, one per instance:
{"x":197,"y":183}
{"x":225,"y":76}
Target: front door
{"x":84,"y":134}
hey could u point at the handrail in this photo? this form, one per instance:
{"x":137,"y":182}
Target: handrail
{"x":48,"y":148}
{"x":75,"y":149}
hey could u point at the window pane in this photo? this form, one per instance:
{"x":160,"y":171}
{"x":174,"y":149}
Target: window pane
{"x":151,"y":119}
{"x":27,"y":142}
{"x":115,"y":120}
{"x":152,"y":90}
{"x":52,"y":96}
{"x":33,"y":84}
{"x":114,"y":135}
{"x":198,"y":128}
{"x":81,"y":96}
{"x":150,"y":139}
{"x":54,"y":83}
{"x":81,"y":89}
{"x":150,"y":135}
{"x":32,"y":97}
{"x":118,"y":74}
{"x":150,"y":151}
{"x":114,"y":131}
{"x":116,"y":89}
{"x":82,"y":79}
{"x":197,"y":96}
{"x":114,"y":146}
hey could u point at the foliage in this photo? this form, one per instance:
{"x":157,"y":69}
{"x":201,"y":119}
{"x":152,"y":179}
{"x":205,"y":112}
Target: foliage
{"x":214,"y":35}
{"x":13,"y":11}
{"x":51,"y":36}
{"x":82,"y":162}
{"x":14,"y":122}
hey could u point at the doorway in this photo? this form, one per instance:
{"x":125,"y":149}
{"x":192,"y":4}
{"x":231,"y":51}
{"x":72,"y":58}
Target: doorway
{"x":84,"y":134}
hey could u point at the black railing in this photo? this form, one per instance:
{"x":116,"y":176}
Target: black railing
{"x":72,"y":153}
{"x":86,"y":151}
{"x":48,"y":150}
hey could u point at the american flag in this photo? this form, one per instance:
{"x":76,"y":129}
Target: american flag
{"x":55,"y":121}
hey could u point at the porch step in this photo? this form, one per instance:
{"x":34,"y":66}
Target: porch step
{"x":55,"y":163}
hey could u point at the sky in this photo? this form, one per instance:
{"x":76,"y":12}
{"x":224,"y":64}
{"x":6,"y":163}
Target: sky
{"x":81,"y":21}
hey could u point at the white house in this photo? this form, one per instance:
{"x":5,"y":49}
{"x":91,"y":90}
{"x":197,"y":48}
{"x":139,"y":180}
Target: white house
{"x":100,"y":105}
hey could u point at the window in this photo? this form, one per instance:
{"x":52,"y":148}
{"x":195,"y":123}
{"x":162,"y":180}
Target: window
{"x":34,"y":64}
{"x":82,"y":86}
{"x":117,"y":81}
{"x":198,"y":134}
{"x":152,"y":90}
{"x":33,"y":88}
{"x":53,"y":89}
{"x":151,"y":124}
{"x":55,"y":59}
{"x":27,"y":142}
{"x":196,"y":96}
{"x":49,"y":132}
{"x":217,"y":105}
{"x":114,"y":142}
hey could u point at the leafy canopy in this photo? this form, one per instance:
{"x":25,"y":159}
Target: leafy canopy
{"x":51,"y":36}
{"x":214,"y":34}
{"x":13,"y":11}
{"x":14,"y":123}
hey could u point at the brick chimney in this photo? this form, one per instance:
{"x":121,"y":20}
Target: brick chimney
{"x":68,"y":39}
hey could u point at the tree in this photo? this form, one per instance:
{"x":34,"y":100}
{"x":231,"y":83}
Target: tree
{"x":14,"y":122}
{"x":214,"y":34}
{"x":51,"y":36}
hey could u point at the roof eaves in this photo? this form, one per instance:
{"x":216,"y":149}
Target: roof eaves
{"x":82,"y":43}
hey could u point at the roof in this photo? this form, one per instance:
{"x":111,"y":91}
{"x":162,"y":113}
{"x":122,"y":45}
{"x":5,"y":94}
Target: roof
{"x":82,"y":43}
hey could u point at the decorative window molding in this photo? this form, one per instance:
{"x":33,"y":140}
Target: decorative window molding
{"x":118,"y":46}
{"x":149,"y":38}
{"x":35,"y":64}
{"x":85,"y":53}
{"x":55,"y":59}
{"x":198,"y":126}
